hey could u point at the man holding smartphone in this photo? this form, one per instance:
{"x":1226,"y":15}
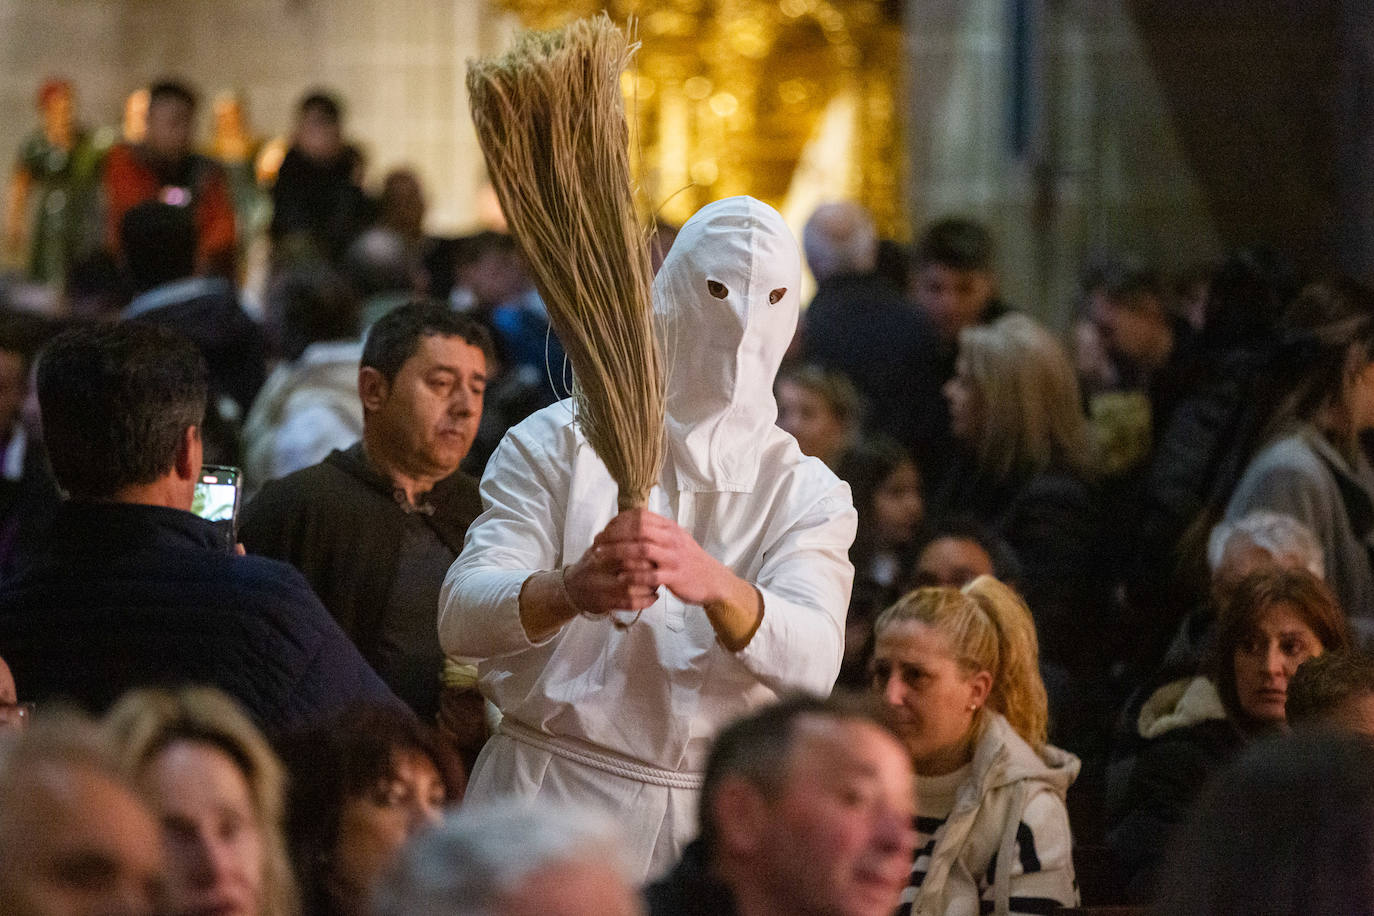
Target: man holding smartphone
{"x":133,"y":589}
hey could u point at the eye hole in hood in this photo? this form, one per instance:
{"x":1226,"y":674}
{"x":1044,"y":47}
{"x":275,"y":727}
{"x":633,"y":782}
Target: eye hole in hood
{"x":776,"y":295}
{"x":717,"y":289}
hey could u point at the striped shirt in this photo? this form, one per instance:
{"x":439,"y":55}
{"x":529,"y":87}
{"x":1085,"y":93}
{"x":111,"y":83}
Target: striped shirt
{"x":937,"y":795}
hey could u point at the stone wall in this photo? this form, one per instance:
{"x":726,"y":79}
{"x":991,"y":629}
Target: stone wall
{"x":398,"y":64}
{"x":1099,"y":165}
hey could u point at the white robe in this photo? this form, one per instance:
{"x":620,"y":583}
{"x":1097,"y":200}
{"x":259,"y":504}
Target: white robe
{"x":592,"y":701}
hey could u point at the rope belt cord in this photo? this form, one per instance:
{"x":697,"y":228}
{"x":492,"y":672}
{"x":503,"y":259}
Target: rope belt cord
{"x":611,"y":763}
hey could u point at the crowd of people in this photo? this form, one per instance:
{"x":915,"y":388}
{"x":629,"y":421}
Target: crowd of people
{"x":1095,"y":608}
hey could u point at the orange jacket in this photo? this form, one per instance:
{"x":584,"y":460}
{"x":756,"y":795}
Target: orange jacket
{"x":129,"y":180}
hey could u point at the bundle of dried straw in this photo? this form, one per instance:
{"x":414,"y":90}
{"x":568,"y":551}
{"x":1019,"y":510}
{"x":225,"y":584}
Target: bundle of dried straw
{"x":551,"y":123}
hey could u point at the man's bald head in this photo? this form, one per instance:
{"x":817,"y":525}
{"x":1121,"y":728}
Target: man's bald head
{"x":840,"y":238}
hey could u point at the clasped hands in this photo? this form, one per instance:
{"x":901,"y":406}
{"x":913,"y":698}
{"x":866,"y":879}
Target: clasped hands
{"x":635,"y":555}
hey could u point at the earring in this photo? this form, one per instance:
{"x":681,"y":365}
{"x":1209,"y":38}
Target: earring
{"x":973,"y":707}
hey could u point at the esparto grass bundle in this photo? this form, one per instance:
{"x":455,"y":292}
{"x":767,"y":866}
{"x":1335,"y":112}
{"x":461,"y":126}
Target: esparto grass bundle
{"x":551,"y":123}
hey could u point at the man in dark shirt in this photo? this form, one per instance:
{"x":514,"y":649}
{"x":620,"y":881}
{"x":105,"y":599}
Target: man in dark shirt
{"x":132,"y":590}
{"x":375,"y":527}
{"x":318,"y":204}
{"x":953,"y":284}
{"x":860,"y":326}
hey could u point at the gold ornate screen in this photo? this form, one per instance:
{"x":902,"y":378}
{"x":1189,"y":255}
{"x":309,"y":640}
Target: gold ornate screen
{"x":792,"y":101}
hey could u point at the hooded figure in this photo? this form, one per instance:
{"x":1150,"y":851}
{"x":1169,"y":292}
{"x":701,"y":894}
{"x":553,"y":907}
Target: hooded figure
{"x":739,"y":567}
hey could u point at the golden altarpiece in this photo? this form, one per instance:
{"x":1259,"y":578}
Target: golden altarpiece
{"x":793,"y":101}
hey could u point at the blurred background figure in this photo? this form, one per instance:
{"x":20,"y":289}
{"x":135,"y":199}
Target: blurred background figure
{"x":503,"y":859}
{"x":361,"y":788}
{"x":236,"y":147}
{"x":383,"y":272}
{"x":953,"y":285}
{"x":318,"y":203}
{"x":76,"y":837}
{"x":401,"y":208}
{"x":162,"y":167}
{"x":309,"y":404}
{"x":50,"y":217}
{"x":1334,"y":691}
{"x":886,"y":486}
{"x":1304,"y":458}
{"x":820,"y":409}
{"x":1288,"y":828}
{"x":159,"y":245}
{"x":858,"y":325}
{"x":216,"y":787}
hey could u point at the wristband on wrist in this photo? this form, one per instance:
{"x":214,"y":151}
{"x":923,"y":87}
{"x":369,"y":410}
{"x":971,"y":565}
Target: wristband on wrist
{"x":568,"y":598}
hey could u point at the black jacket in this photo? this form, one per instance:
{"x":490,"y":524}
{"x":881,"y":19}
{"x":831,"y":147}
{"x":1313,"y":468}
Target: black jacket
{"x":689,"y":889}
{"x":1164,"y":784}
{"x":338,"y":522}
{"x":131,"y":596}
{"x":861,"y":327}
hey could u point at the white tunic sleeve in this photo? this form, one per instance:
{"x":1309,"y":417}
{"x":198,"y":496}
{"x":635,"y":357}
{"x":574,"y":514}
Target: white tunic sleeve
{"x":517,"y":534}
{"x":805,"y":582}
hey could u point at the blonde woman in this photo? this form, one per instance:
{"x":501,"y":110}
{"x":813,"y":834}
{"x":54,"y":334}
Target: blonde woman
{"x":959,"y":669}
{"x":1024,"y":471}
{"x":216,"y":787}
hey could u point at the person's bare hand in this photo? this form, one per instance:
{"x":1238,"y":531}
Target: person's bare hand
{"x":600,"y":583}
{"x":649,"y":551}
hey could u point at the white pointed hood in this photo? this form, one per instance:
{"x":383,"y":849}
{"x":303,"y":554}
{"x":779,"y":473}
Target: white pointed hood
{"x":723,"y":340}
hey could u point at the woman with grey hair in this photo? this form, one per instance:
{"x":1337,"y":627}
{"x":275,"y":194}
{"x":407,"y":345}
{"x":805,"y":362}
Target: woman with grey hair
{"x":505,"y":858}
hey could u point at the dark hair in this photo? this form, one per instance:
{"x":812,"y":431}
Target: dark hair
{"x":471,"y":248}
{"x":172,"y":90}
{"x":24,"y":333}
{"x":1321,"y":327}
{"x":308,"y":303}
{"x":758,"y":746}
{"x":325,"y":104}
{"x":1306,"y":371}
{"x":1322,"y":684}
{"x":346,"y":759}
{"x":1125,"y":278}
{"x":1006,"y":566}
{"x":957,"y":243}
{"x":831,"y":385}
{"x":396,"y":335}
{"x":95,"y":286}
{"x":1246,"y":298}
{"x":116,"y":401}
{"x":1257,"y":593}
{"x":866,"y":467}
{"x":159,"y":243}
{"x":1287,"y":828}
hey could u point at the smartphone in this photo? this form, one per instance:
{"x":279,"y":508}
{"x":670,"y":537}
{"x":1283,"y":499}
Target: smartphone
{"x":217,"y":501}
